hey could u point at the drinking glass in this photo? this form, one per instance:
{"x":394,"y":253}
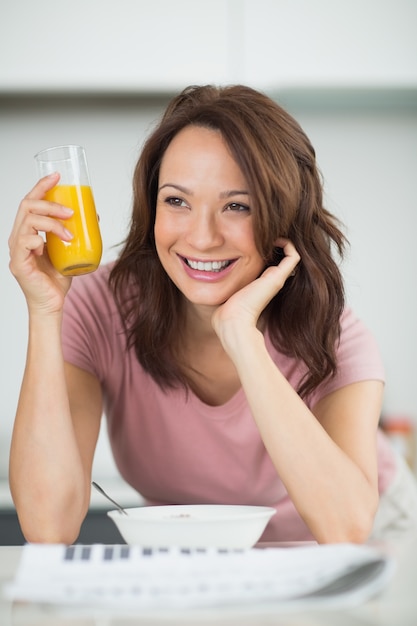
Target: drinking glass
{"x":83,"y":253}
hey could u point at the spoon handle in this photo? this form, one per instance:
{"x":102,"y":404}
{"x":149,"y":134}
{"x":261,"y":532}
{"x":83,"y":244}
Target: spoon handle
{"x":103,"y":493}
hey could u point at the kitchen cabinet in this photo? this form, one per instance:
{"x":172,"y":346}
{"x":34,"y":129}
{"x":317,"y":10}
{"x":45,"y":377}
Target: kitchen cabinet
{"x":328,"y":44}
{"x":158,"y":47}
{"x":103,"y":45}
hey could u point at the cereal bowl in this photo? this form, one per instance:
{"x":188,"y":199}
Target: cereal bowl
{"x":193,"y":525}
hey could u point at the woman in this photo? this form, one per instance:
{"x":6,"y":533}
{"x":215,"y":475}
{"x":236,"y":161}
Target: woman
{"x":218,"y":344}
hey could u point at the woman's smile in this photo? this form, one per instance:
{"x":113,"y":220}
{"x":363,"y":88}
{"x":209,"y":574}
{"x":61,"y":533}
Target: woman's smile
{"x":207,"y":266}
{"x":207,"y":270}
{"x":203,"y":226}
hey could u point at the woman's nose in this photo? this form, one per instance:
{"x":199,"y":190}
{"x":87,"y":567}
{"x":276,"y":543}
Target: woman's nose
{"x":205,"y":231}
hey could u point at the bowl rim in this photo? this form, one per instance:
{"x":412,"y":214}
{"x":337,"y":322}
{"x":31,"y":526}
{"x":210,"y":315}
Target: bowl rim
{"x":234,"y":512}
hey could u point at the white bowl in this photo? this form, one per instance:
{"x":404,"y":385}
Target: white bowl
{"x":193,"y":525}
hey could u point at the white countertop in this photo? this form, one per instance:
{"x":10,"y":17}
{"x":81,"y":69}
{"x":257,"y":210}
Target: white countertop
{"x":397,"y":605}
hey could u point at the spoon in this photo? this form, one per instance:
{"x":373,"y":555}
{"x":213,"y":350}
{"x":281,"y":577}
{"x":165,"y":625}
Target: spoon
{"x":103,"y":493}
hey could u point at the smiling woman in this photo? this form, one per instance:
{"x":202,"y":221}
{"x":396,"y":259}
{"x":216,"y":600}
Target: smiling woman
{"x":219,"y":344}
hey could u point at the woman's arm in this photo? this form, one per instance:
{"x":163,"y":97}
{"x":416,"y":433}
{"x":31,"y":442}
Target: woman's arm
{"x":59,"y":409}
{"x":54,"y":438}
{"x":326,"y":459}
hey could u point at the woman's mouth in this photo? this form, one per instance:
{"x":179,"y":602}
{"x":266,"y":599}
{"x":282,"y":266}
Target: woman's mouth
{"x":207,"y":266}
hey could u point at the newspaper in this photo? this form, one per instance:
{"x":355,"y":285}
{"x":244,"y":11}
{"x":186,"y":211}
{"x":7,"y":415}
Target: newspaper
{"x":133,"y":578}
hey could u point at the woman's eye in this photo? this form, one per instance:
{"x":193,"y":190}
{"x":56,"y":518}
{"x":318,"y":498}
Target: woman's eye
{"x":236,"y":206}
{"x":176,"y":202}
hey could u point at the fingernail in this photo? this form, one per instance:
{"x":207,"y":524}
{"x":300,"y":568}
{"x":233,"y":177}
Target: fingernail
{"x":67,"y":211}
{"x":68,"y":233}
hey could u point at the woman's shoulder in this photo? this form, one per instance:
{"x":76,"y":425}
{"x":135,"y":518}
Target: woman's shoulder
{"x":358,"y":356}
{"x":92,"y":330}
{"x":356,"y":338}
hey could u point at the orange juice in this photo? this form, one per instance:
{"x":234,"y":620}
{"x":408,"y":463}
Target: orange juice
{"x":83,"y":253}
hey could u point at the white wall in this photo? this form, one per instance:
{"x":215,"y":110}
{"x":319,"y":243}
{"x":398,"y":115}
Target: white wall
{"x":369,"y":162}
{"x":367,"y":151}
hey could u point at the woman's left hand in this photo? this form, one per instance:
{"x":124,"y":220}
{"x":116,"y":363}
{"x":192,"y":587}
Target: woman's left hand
{"x":243,"y":309}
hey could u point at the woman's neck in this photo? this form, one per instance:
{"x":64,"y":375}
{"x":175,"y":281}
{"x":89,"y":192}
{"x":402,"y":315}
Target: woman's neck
{"x":198,"y":326}
{"x":212,"y":375}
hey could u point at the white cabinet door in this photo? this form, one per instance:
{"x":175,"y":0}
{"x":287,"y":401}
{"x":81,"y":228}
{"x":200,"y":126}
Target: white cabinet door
{"x":330,"y":43}
{"x":112,"y":45}
{"x":160,"y":46}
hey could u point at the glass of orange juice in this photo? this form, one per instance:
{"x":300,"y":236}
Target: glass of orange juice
{"x":83,"y":253}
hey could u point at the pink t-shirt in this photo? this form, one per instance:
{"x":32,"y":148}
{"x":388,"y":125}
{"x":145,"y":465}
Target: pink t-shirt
{"x":178,"y":450}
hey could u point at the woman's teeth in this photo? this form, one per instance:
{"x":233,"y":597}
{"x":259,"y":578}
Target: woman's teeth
{"x":208,"y":266}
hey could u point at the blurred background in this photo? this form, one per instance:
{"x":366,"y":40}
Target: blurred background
{"x":99,"y":73}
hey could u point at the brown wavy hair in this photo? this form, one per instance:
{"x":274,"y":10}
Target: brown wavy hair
{"x":279,"y":164}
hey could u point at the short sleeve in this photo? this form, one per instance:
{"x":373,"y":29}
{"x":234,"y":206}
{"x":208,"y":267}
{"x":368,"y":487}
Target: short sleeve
{"x":88,"y":323}
{"x":358,"y":358}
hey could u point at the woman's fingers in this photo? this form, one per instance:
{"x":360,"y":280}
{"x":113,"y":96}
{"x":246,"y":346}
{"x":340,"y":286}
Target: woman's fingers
{"x":33,"y":201}
{"x":33,"y":222}
{"x":291,"y":257}
{"x":42,"y":186}
{"x":276,"y":275}
{"x":26,"y":239}
{"x":31,"y":244}
{"x":42,"y":285}
{"x":247,"y":304}
{"x":36,"y":215}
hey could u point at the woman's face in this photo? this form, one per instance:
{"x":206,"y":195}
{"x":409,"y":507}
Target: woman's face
{"x":203,"y":226}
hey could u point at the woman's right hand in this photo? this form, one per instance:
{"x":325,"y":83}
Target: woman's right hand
{"x":43,"y":286}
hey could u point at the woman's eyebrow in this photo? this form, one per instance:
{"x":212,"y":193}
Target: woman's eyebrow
{"x":224,"y":194}
{"x":234,"y":192}
{"x":175,"y":186}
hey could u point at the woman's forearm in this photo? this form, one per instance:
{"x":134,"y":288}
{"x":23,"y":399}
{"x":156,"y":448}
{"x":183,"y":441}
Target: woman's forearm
{"x":328,"y":489}
{"x":46,"y":473}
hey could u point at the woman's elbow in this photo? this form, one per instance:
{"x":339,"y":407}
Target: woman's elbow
{"x":45,"y":533}
{"x":50,"y":529}
{"x":355,"y":527}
